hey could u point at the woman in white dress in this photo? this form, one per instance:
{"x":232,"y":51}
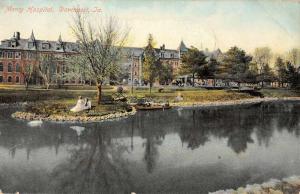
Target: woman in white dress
{"x":80,"y":105}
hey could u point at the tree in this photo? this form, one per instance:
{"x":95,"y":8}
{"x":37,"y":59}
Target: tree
{"x":151,"y":63}
{"x":78,"y":69}
{"x":294,"y":56}
{"x":100,"y":46}
{"x":165,"y":73}
{"x":266,"y":74}
{"x":28,"y":70}
{"x":192,"y":61}
{"x":293,"y":77}
{"x":235,"y":65}
{"x":262,"y":57}
{"x":46,"y":68}
{"x":281,"y":70}
{"x":252,"y":73}
{"x":208,"y":70}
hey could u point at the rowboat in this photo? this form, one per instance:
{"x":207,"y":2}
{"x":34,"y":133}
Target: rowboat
{"x":153,"y":107}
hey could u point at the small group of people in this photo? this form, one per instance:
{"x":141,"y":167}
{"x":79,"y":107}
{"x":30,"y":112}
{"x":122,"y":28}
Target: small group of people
{"x":82,"y":104}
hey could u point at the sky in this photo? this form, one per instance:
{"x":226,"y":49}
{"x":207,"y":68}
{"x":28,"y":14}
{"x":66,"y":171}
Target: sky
{"x":201,"y":23}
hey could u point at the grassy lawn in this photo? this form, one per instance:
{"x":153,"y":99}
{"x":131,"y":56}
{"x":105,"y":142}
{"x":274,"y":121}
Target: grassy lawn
{"x":59,"y":101}
{"x":12,"y":94}
{"x":280,"y":93}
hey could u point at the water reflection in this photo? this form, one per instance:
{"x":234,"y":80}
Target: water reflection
{"x":93,"y":167}
{"x":173,"y":150}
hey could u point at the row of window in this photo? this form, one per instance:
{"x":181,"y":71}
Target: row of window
{"x":162,"y":55}
{"x":16,"y":55}
{"x":10,"y":55}
{"x":10,"y":79}
{"x":10,"y":67}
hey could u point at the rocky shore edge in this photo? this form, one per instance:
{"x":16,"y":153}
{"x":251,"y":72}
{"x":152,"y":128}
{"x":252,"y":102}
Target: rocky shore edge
{"x":68,"y":118}
{"x":248,"y":101}
{"x":289,"y":185}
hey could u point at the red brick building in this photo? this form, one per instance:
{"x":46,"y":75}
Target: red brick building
{"x":16,"y":53}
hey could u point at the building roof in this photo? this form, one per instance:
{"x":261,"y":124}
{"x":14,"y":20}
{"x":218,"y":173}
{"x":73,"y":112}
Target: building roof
{"x":31,"y":43}
{"x":42,"y":45}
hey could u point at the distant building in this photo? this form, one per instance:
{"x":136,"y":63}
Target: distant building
{"x":16,"y":53}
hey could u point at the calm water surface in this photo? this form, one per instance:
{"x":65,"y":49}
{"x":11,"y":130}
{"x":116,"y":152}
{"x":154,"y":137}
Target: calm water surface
{"x":181,"y":150}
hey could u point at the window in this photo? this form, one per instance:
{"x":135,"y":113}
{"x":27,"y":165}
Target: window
{"x":9,"y":79}
{"x":18,"y":68}
{"x":1,"y":54}
{"x":1,"y":78}
{"x":10,"y":55}
{"x":172,"y":55}
{"x":13,"y":43}
{"x":30,"y":44}
{"x":1,"y":66}
{"x":45,"y":46}
{"x":17,"y":55}
{"x":10,"y":67}
{"x":17,"y":79}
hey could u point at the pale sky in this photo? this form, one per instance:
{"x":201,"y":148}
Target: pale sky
{"x":201,"y":23}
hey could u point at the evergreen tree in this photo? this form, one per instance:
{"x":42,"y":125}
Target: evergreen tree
{"x":235,"y":65}
{"x":150,"y":63}
{"x":165,"y":73}
{"x":281,"y":71}
{"x":192,"y":63}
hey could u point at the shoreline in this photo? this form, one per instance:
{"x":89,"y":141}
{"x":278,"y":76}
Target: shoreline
{"x":273,"y":186}
{"x":246,"y":101}
{"x":65,"y":118}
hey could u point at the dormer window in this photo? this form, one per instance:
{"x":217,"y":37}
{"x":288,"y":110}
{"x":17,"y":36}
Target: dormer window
{"x":58,"y":46}
{"x":45,"y":46}
{"x":13,"y":44}
{"x":30,"y":44}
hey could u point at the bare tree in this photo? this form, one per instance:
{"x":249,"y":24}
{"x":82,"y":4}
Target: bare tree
{"x":46,"y":68}
{"x":294,"y":56}
{"x":262,"y":57}
{"x":78,"y":69}
{"x":28,"y":70}
{"x":101,"y":46}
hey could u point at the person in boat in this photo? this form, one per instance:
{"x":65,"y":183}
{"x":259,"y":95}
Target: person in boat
{"x":82,"y":105}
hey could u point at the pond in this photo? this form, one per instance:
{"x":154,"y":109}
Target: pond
{"x":183,"y":150}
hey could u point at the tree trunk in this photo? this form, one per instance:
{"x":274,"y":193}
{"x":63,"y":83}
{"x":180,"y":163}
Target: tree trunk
{"x":99,"y":93}
{"x":193,"y":79}
{"x":47,"y":86}
{"x":150,"y":87}
{"x":26,"y":85}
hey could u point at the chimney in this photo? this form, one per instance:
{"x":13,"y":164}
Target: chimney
{"x":18,"y":35}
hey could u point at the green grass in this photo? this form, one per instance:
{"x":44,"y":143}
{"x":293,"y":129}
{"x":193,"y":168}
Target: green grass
{"x":279,"y":93}
{"x":12,"y":94}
